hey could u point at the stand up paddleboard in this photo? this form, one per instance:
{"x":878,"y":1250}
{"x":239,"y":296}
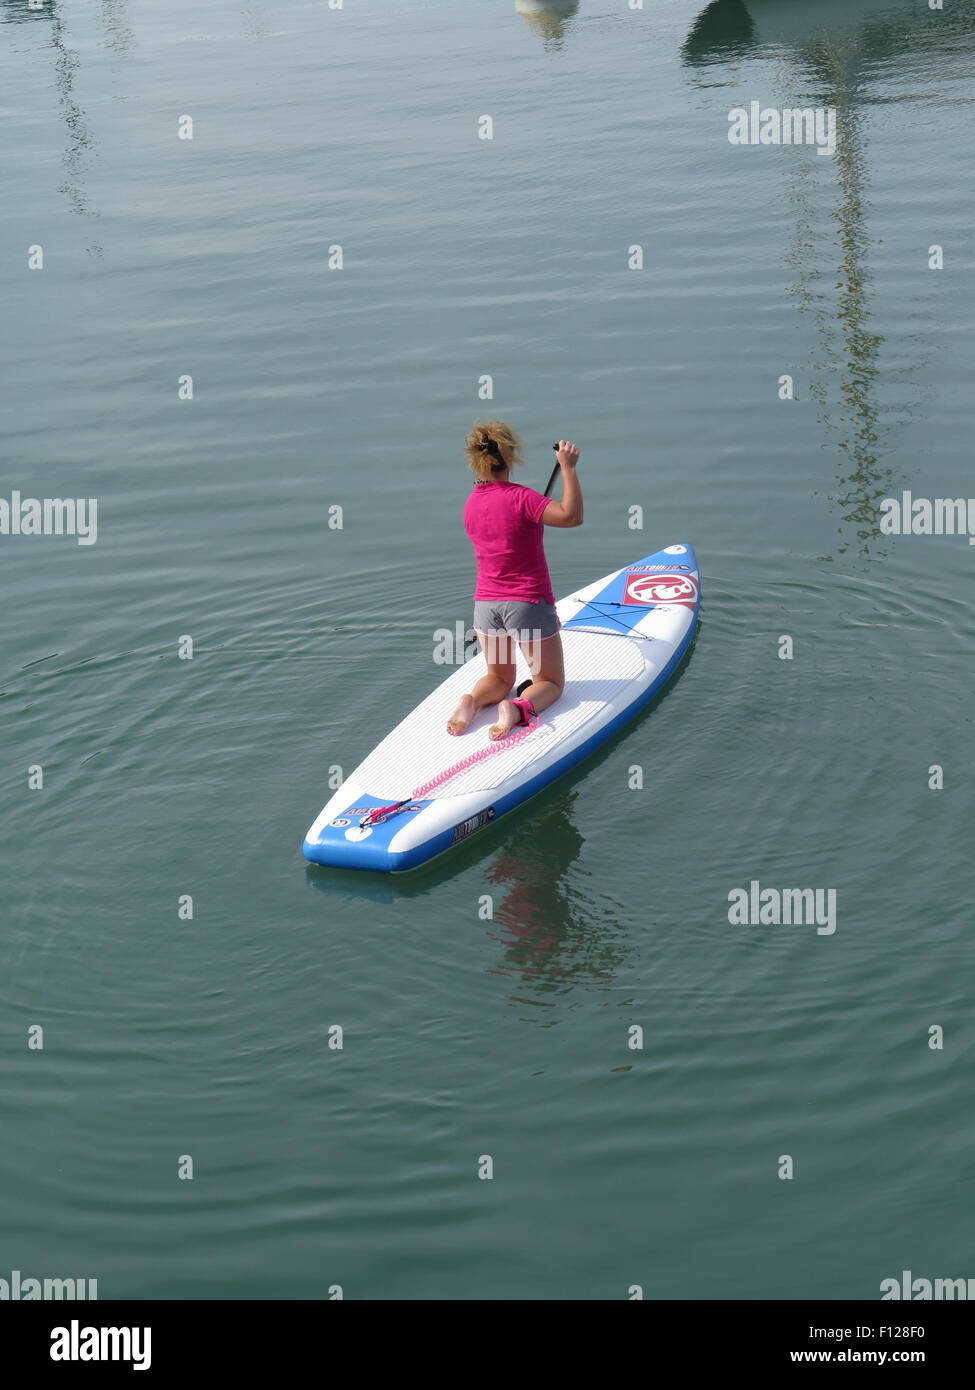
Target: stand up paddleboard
{"x":422,"y":790}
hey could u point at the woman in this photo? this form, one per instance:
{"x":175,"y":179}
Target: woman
{"x":513,"y":599}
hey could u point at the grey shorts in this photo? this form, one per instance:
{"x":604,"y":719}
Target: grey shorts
{"x":522,"y":619}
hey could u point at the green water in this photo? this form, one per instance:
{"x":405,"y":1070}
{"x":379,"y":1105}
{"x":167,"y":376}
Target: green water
{"x":465,"y":1036}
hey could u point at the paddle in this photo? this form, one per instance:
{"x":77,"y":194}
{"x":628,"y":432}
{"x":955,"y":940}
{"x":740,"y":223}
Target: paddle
{"x":555,"y":473}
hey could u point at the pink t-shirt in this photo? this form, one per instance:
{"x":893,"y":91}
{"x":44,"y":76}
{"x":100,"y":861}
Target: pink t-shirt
{"x":504,"y":522}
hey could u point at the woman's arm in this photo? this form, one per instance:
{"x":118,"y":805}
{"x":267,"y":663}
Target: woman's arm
{"x":568,"y":512}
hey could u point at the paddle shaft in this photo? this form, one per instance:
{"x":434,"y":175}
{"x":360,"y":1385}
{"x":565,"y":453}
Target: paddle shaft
{"x":555,"y":473}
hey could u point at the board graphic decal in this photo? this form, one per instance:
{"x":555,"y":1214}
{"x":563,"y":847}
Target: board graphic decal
{"x":649,"y":589}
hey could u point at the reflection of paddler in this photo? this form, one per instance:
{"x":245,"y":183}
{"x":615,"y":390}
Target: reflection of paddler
{"x":549,"y":937}
{"x":534,"y":911}
{"x":547,"y":17}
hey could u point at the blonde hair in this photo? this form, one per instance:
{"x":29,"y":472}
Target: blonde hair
{"x":490,"y":448}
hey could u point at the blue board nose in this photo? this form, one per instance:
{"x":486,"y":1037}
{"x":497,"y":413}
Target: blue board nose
{"x":668,"y":577}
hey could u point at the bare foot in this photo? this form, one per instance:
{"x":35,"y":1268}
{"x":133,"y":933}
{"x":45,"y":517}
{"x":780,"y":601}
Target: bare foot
{"x":508,"y":717}
{"x":462,"y":715}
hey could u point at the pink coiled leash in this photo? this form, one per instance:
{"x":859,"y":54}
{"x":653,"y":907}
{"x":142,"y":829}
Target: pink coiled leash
{"x":378,"y":814}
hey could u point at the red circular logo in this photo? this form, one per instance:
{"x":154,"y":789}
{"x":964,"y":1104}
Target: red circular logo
{"x":649,"y":589}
